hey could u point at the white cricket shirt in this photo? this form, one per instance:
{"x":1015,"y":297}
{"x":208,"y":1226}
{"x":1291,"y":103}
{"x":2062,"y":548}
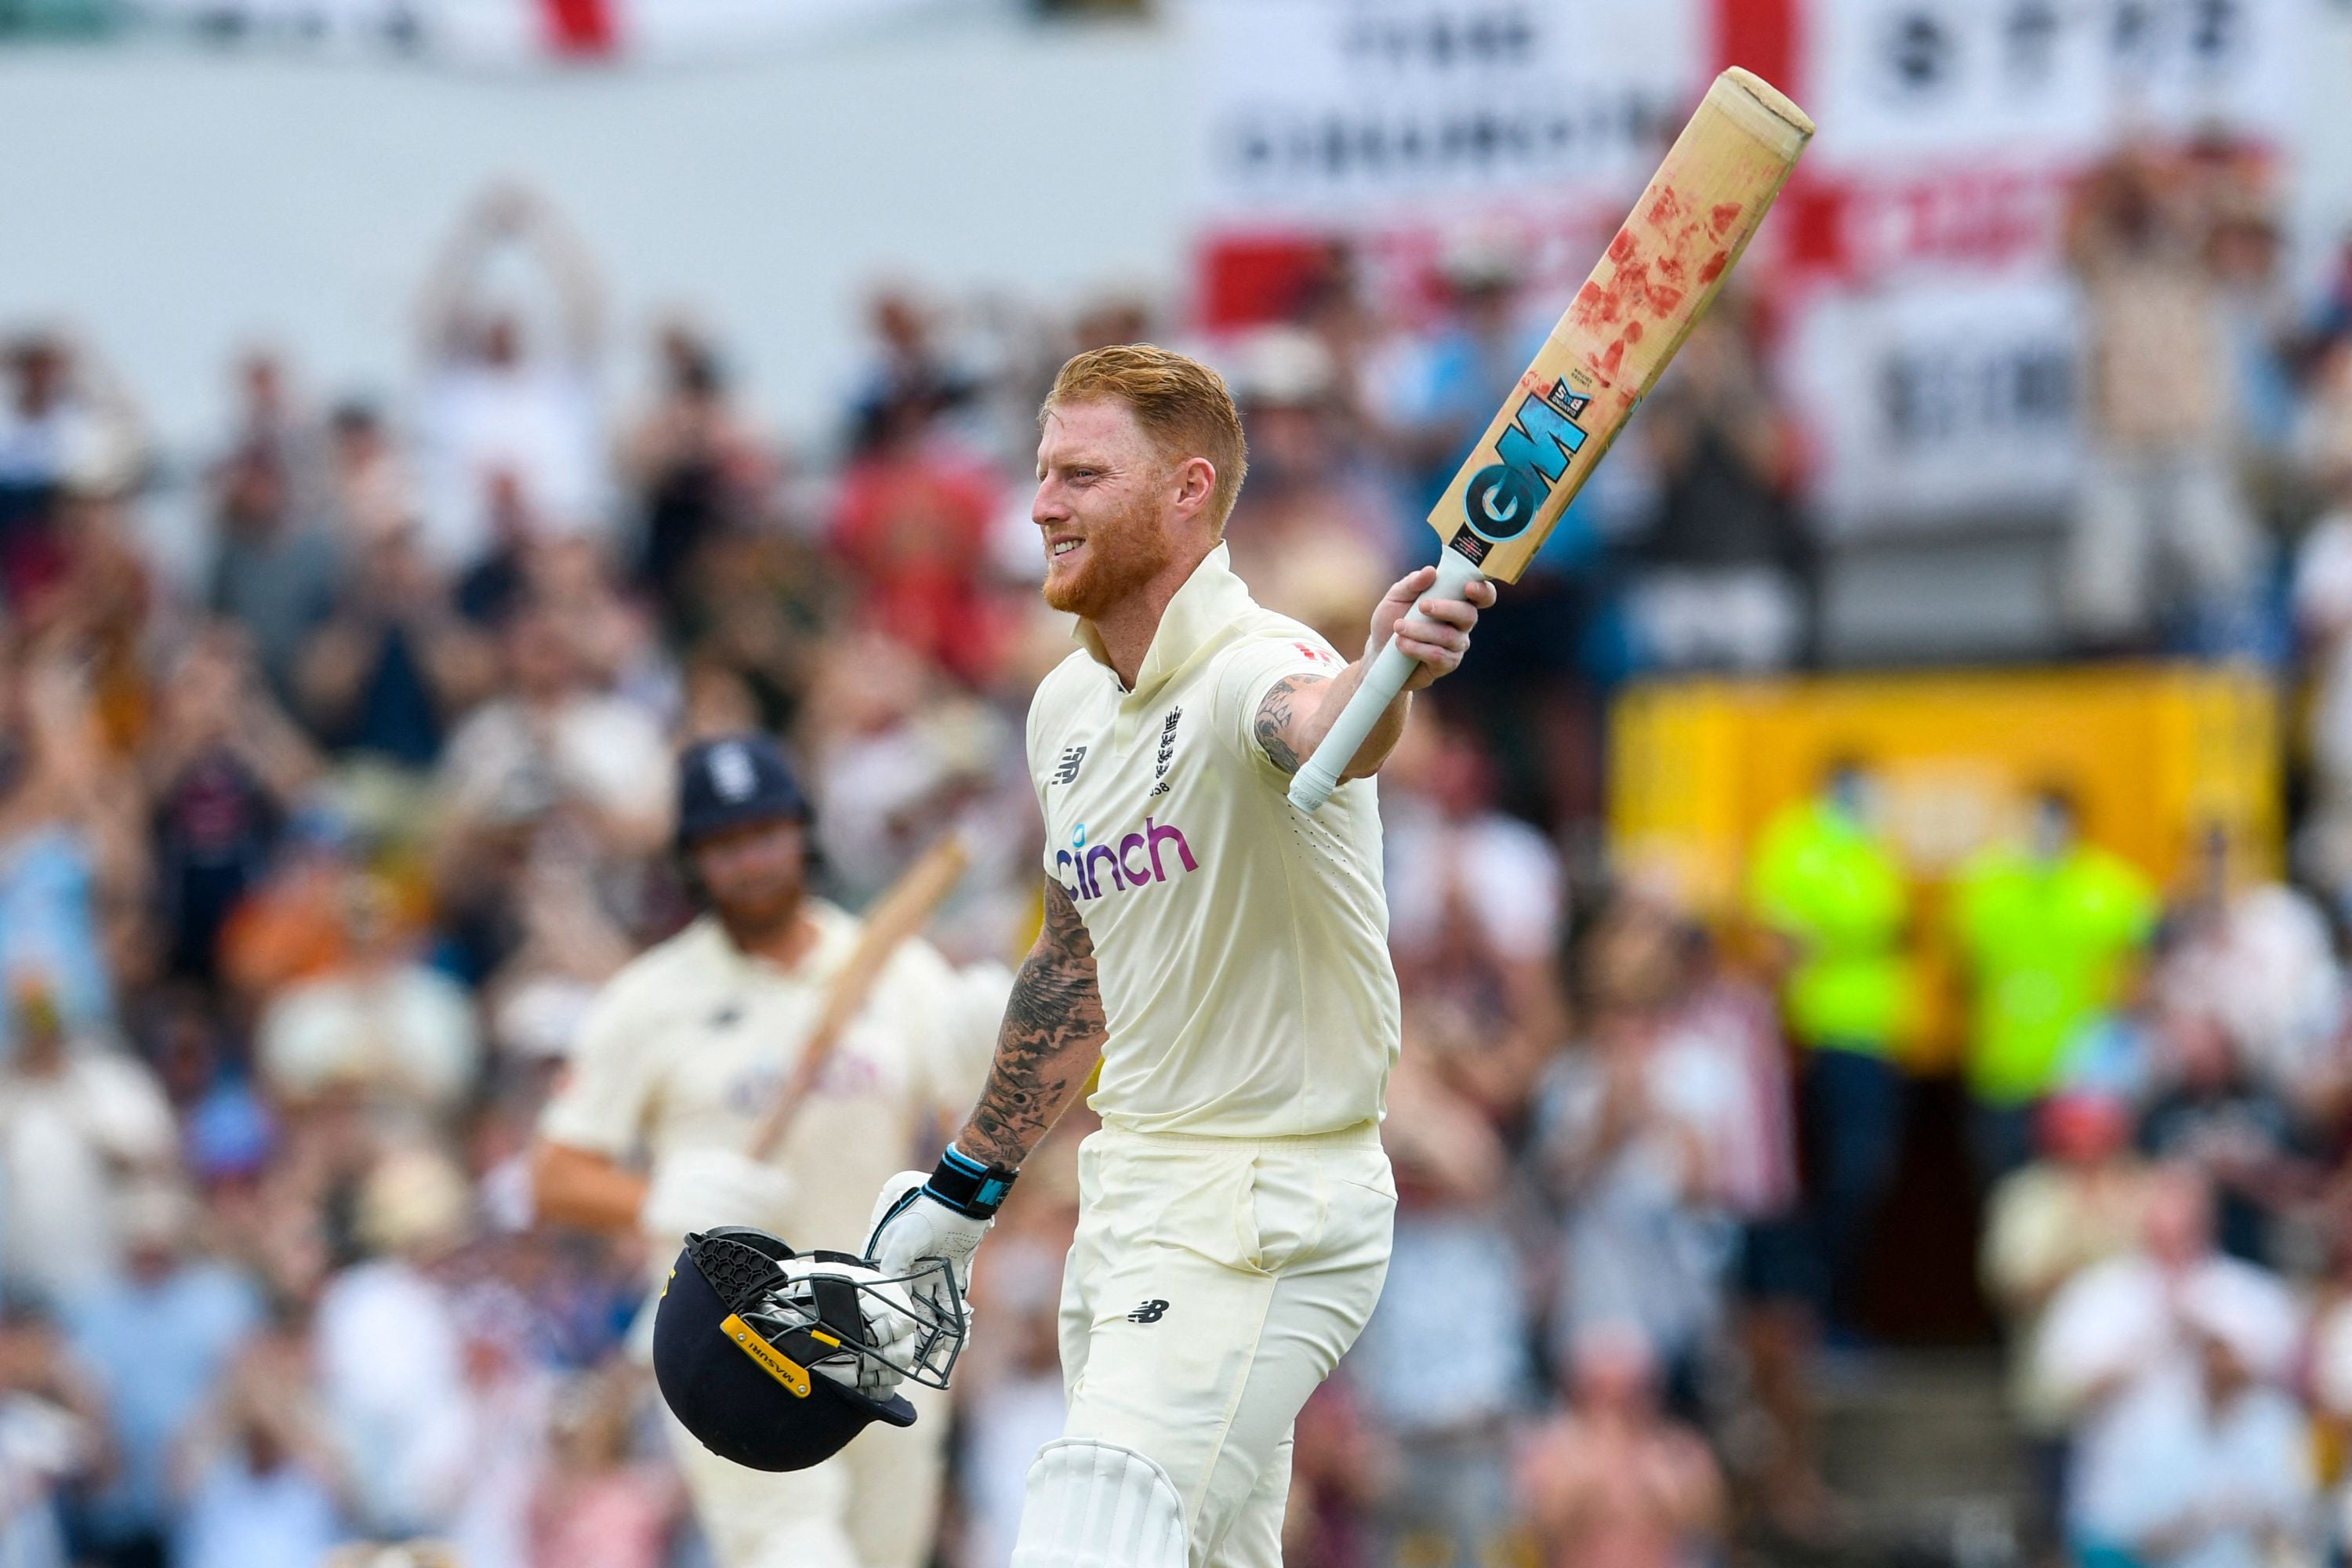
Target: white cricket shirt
{"x":687,"y":1046}
{"x":1241,"y":944}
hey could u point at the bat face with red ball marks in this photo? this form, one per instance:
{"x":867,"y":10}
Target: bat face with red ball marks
{"x":1660,"y":273}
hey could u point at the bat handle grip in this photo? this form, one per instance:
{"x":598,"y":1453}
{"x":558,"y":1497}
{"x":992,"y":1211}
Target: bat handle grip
{"x":1319,"y":776}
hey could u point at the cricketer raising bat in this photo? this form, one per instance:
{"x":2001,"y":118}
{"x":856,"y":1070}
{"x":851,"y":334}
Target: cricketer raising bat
{"x":1659,"y":276}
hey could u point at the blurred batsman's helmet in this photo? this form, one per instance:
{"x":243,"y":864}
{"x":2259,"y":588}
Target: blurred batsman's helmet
{"x":735,"y":780}
{"x":775,"y":1359}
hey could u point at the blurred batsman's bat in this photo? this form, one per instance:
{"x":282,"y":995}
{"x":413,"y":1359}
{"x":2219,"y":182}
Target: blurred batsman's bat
{"x":1660,"y":274}
{"x":898,"y":914}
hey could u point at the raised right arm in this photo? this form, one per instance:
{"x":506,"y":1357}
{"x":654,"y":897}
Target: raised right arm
{"x":1052,"y":1036}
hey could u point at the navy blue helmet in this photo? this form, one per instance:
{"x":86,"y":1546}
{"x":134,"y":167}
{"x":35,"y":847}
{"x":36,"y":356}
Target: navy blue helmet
{"x":775,"y":1359}
{"x":732,"y":781}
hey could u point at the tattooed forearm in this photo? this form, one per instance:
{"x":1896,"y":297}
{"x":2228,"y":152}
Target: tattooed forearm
{"x":1271,"y":726}
{"x":1054,"y":1029}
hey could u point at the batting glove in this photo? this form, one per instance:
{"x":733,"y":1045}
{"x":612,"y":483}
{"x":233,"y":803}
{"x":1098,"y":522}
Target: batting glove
{"x":944,"y":1214}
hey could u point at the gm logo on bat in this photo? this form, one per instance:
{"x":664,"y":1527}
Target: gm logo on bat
{"x":1503,"y":497}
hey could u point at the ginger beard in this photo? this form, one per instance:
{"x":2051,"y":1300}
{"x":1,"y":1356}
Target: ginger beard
{"x":755,"y":876}
{"x":1121,"y":553}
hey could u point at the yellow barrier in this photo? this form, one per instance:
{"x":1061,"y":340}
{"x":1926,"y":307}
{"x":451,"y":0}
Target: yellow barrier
{"x":2157,"y":755}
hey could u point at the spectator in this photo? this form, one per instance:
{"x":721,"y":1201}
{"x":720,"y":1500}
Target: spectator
{"x":1730,"y":1020}
{"x":1726,"y":560}
{"x":698,"y":469}
{"x":551,"y":743}
{"x":390,"y":1353}
{"x":1314,"y":531}
{"x":274,"y":571}
{"x":289,"y":926}
{"x":1826,"y":885}
{"x":2210,"y":1112}
{"x":1611,"y":1479}
{"x":2046,"y":931}
{"x":909,"y":368}
{"x":2161,"y":476}
{"x":1454,"y":1278}
{"x":895,"y":756}
{"x":600,"y":1506}
{"x":65,"y":422}
{"x":369,"y":490}
{"x":1479,"y":897}
{"x":913,"y":517}
{"x":269,"y":416}
{"x":570,"y":946}
{"x":72,"y":848}
{"x":2257,"y":956}
{"x":2206,"y":1462}
{"x":78,"y":1121}
{"x":394,"y":663}
{"x":496,"y":407}
{"x":1629,"y":1124}
{"x":513,"y":1395}
{"x":2081,"y":1201}
{"x":381,"y":1024}
{"x":2120,"y":1352}
{"x":259,"y":1486}
{"x":2258,"y":310}
{"x":1434,"y":394}
{"x":51,"y":1435}
{"x":224,"y":770}
{"x":158,"y":1345}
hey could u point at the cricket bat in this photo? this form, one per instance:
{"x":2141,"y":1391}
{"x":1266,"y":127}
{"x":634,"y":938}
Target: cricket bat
{"x":897,"y":915}
{"x":1658,"y":276}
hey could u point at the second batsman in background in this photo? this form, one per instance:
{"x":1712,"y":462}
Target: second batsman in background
{"x":679,"y":1059}
{"x":1224,"y":955}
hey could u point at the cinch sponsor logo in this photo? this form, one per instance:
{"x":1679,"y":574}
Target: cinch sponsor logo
{"x":1152,"y":856}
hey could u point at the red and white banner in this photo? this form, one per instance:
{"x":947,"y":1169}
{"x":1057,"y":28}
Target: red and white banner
{"x":1404,"y":125}
{"x":1366,"y":112}
{"x":2036,"y":82}
{"x":1931,"y":341}
{"x":1946,"y":398}
{"x":521,"y":33}
{"x":1928,"y":321}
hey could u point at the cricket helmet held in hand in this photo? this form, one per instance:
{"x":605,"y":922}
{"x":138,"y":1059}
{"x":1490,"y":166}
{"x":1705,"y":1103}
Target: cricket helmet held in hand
{"x":775,"y":1359}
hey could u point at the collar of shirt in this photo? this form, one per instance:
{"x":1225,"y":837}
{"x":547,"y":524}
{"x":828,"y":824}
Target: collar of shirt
{"x":1200,"y":619}
{"x":836,"y":933}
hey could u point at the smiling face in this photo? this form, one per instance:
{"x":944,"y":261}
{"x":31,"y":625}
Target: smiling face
{"x":1110,"y":505}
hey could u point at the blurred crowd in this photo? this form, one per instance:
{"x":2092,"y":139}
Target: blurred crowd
{"x":319,"y":831}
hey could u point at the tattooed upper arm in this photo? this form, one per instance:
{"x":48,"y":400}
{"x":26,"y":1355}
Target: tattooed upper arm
{"x":1056,"y":1010}
{"x":1275,"y":712}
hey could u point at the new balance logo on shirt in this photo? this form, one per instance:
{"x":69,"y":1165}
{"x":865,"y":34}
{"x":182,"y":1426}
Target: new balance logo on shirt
{"x":1149,"y":1312}
{"x":1066,"y":771}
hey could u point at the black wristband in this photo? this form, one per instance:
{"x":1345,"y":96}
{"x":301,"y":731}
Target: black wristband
{"x":964,"y":1184}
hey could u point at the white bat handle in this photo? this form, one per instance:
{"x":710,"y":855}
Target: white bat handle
{"x":1320,"y":775}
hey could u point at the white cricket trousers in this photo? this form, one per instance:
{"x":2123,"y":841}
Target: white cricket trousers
{"x":873,"y":1505}
{"x":1212,"y":1284}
